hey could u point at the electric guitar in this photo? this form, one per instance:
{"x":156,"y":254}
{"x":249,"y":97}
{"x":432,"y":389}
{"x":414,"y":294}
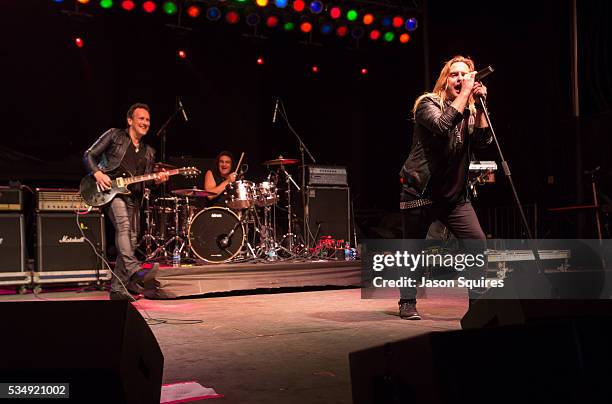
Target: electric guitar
{"x":93,"y":194}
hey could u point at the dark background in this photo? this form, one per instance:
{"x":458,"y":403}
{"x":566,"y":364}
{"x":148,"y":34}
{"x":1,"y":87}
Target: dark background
{"x":57,"y":99}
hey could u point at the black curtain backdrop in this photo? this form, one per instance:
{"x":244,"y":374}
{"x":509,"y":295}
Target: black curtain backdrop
{"x":57,"y":99}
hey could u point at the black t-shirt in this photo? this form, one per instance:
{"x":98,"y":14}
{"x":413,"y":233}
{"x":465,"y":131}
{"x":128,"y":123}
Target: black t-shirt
{"x":219,"y":200}
{"x":134,"y":163}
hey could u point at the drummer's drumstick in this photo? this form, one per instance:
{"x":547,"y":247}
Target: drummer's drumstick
{"x":239,"y":162}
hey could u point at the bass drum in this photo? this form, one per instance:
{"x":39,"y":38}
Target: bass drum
{"x":208,"y":231}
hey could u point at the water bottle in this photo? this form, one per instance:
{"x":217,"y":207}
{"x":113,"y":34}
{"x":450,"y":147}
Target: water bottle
{"x":347,"y":251}
{"x":176,"y":257}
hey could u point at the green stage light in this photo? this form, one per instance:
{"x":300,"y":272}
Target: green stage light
{"x":289,"y":26}
{"x":170,"y":8}
{"x":351,"y":15}
{"x":389,"y":36}
{"x":106,"y":3}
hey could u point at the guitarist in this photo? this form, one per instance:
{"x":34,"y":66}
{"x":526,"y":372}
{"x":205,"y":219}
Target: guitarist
{"x":118,"y":152}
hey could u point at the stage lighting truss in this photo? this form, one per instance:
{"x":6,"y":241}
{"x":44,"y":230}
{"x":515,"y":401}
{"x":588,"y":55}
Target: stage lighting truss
{"x":393,"y":21}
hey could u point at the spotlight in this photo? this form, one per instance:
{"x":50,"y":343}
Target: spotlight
{"x":397,"y":21}
{"x":341,"y":31}
{"x":374,"y":35}
{"x":128,"y":5}
{"x":170,"y":8}
{"x":315,"y":69}
{"x":232,"y":17}
{"x":213,"y":14}
{"x":260,"y":61}
{"x":368,"y":19}
{"x":386,"y":21}
{"x":299,"y":5}
{"x":326,"y":28}
{"x":261,"y":3}
{"x":352,"y":15}
{"x":78,"y":41}
{"x":411,"y":24}
{"x":149,"y":6}
{"x":335,"y":12}
{"x":106,"y":4}
{"x":289,"y":26}
{"x":194,"y":11}
{"x":364,"y":71}
{"x":182,"y":54}
{"x":306,"y":27}
{"x":83,"y":1}
{"x":281,"y":3}
{"x":404,"y":38}
{"x":272,"y":21}
{"x":316,"y":7}
{"x":389,"y":36}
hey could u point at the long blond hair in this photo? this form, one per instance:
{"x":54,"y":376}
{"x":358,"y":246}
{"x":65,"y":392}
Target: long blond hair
{"x":439,"y":91}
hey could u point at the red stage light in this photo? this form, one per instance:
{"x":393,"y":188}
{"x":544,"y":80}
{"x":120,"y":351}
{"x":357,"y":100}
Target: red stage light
{"x":193,"y":11}
{"x":272,"y":21}
{"x":315,"y":69}
{"x":342,"y":30}
{"x":78,"y":42}
{"x":299,"y":5}
{"x":306,"y":27}
{"x":335,"y":12}
{"x":232,"y":17}
{"x":128,"y":5}
{"x":260,"y":61}
{"x":404,"y":38}
{"x":182,"y":54}
{"x":364,"y":71}
{"x":374,"y":34}
{"x":398,"y":21}
{"x":149,"y":6}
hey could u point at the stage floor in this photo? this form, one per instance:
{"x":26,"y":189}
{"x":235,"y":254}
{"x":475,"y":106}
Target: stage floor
{"x":278,"y":347}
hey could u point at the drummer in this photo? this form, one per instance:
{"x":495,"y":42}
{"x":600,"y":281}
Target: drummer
{"x":217,"y":179}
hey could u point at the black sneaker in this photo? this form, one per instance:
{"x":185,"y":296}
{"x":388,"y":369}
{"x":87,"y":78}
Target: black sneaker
{"x":408,"y":311}
{"x":123,"y":296}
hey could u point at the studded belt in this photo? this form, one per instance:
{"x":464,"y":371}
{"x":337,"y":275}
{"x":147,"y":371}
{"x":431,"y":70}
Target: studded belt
{"x":415,"y":204}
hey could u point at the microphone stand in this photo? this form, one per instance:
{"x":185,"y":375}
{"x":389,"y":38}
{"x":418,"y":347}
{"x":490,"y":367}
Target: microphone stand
{"x":161,"y":132}
{"x":506,"y":168}
{"x":303,"y":148}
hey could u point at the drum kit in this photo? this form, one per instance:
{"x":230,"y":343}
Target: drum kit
{"x":245,"y":229}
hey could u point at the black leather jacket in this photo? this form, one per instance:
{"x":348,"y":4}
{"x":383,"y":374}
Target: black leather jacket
{"x":436,"y":140}
{"x":108,"y":151}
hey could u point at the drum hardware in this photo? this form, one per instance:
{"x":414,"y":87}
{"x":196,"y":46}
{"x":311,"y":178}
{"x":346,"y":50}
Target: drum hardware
{"x":216,"y":235}
{"x":192,"y":192}
{"x":289,"y":236}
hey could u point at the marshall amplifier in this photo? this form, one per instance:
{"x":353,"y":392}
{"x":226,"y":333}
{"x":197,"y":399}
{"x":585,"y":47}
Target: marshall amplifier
{"x":63,"y":252}
{"x":327,"y":175}
{"x":12,"y":244}
{"x":11,"y":199}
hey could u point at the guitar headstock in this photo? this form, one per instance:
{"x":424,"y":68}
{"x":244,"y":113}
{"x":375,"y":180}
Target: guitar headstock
{"x":189,"y":171}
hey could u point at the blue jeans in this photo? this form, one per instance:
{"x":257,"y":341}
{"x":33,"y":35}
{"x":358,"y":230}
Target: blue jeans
{"x":124,"y":213}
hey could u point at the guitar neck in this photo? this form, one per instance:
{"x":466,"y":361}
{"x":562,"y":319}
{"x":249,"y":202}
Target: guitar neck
{"x":147,"y":177}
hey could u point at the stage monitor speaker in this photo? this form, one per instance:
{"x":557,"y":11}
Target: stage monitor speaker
{"x":329,"y":207}
{"x":104,"y":349}
{"x":12,"y":242}
{"x":62,"y":247}
{"x":563,"y":362}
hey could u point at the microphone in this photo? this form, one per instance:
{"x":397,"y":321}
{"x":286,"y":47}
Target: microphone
{"x":275,"y":110}
{"x":483,"y":73}
{"x":182,"y":109}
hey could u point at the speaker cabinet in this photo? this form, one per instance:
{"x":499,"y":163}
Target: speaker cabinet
{"x":62,"y":247}
{"x":104,"y":349}
{"x":329,"y":208}
{"x":12,"y":243}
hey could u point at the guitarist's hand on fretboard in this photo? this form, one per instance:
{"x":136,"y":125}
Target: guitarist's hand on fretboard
{"x":103,"y":180}
{"x":162,"y":176}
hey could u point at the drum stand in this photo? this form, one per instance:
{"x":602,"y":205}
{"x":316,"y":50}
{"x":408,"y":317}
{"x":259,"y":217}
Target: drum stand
{"x":291,"y":238}
{"x":247,"y":248}
{"x":148,"y":239}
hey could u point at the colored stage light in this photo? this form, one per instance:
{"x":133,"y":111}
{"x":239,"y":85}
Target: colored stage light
{"x":305,"y":27}
{"x":386,"y":21}
{"x":404,"y":38}
{"x":58,"y":1}
{"x":170,"y":8}
{"x":375,"y":35}
{"x":364,"y":71}
{"x":341,"y":31}
{"x":289,"y":26}
{"x":335,"y":13}
{"x":315,"y":69}
{"x":368,"y":19}
{"x":326,"y":28}
{"x":316,"y":7}
{"x":281,"y":3}
{"x":149,"y":6}
{"x":106,"y":3}
{"x":352,"y":15}
{"x":397,"y":21}
{"x":83,"y":1}
{"x":194,"y":11}
{"x":78,"y":41}
{"x":253,"y":19}
{"x":232,"y":17}
{"x":128,"y":5}
{"x":182,"y":54}
{"x":389,"y":36}
{"x":411,"y":24}
{"x":213,"y":14}
{"x":357,"y":32}
{"x":261,"y":3}
{"x":260,"y":61}
{"x":299,"y":5}
{"x":272,"y":21}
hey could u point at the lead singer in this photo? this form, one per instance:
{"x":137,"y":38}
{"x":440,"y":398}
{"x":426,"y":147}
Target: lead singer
{"x":448,"y":123}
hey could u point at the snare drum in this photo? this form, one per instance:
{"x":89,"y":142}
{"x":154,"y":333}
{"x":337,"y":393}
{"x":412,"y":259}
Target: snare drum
{"x":265,"y":194}
{"x":208,"y":231}
{"x":240,"y":194}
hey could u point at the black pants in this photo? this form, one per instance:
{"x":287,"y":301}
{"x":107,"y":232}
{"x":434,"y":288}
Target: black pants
{"x":458,"y":217}
{"x":124,"y":214}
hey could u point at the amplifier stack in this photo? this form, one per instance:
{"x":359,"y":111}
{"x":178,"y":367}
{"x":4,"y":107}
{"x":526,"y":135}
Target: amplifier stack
{"x":12,"y":238}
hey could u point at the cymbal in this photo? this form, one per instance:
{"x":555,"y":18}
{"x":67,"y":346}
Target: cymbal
{"x":162,"y":166}
{"x":280,"y":161}
{"x":192,"y":192}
